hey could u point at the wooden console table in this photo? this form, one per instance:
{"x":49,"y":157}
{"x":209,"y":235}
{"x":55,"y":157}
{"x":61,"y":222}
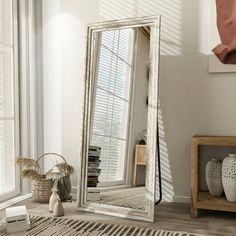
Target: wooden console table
{"x":140,"y":159}
{"x":202,"y":199}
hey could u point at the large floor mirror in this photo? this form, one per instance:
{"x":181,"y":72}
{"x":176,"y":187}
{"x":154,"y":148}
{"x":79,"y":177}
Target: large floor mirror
{"x":119,"y":143}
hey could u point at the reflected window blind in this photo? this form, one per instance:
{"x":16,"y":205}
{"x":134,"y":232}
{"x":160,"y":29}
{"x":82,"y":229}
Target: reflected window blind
{"x":7,"y":158}
{"x":112,"y":98}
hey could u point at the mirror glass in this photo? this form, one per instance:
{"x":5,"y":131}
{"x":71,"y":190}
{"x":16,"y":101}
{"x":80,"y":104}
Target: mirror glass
{"x":119,"y":118}
{"x":119,"y":141}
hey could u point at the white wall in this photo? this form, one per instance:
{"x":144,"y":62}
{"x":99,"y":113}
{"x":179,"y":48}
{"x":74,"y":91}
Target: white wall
{"x":191,"y":100}
{"x":52,"y":77}
{"x":139,"y":106}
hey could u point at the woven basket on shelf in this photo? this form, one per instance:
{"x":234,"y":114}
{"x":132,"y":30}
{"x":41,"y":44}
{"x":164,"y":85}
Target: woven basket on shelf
{"x":41,"y":190}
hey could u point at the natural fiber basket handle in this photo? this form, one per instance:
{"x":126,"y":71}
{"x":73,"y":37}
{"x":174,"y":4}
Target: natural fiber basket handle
{"x":51,"y":153}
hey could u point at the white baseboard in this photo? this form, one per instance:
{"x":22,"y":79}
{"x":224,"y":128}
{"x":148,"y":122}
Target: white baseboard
{"x":182,"y":199}
{"x":74,"y":190}
{"x":14,"y":200}
{"x":165,"y":198}
{"x":175,"y":198}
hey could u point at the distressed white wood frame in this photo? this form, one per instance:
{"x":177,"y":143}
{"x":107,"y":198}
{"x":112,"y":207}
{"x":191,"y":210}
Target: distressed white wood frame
{"x":152,"y":139}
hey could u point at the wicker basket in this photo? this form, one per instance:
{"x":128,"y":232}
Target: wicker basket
{"x":41,"y":190}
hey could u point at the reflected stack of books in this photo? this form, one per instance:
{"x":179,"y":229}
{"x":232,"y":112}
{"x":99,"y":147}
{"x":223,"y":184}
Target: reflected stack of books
{"x":93,"y":193}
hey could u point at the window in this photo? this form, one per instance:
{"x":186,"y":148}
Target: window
{"x":8,"y":118}
{"x":112,"y":102}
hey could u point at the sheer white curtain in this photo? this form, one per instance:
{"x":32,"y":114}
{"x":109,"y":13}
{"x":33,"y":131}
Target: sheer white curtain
{"x":112,"y":101}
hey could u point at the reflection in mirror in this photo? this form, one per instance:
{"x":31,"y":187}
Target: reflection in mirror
{"x":117,"y":146}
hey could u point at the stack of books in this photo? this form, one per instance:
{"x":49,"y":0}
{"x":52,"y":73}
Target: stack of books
{"x":93,"y":193}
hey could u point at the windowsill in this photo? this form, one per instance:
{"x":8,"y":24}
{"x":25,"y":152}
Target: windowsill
{"x":14,"y":200}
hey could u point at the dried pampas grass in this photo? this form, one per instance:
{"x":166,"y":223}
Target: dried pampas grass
{"x":32,"y":174}
{"x":31,"y":168}
{"x":65,"y":168}
{"x":27,"y":163}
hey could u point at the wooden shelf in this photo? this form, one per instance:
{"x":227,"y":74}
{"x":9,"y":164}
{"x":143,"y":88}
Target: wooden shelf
{"x":229,"y":141}
{"x":141,"y":164}
{"x":200,"y":199}
{"x":207,"y":202}
{"x":140,"y":159}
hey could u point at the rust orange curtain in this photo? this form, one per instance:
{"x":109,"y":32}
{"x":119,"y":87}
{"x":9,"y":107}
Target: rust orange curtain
{"x":226,"y":23}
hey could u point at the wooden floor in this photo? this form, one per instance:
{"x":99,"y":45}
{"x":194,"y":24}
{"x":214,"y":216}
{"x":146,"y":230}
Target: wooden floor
{"x":168,"y":216}
{"x":131,"y":197}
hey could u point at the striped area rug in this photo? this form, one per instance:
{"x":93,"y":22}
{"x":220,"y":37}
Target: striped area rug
{"x":43,"y":226}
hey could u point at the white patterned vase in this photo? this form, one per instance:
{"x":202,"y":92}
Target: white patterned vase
{"x":214,"y":177}
{"x":229,"y":177}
